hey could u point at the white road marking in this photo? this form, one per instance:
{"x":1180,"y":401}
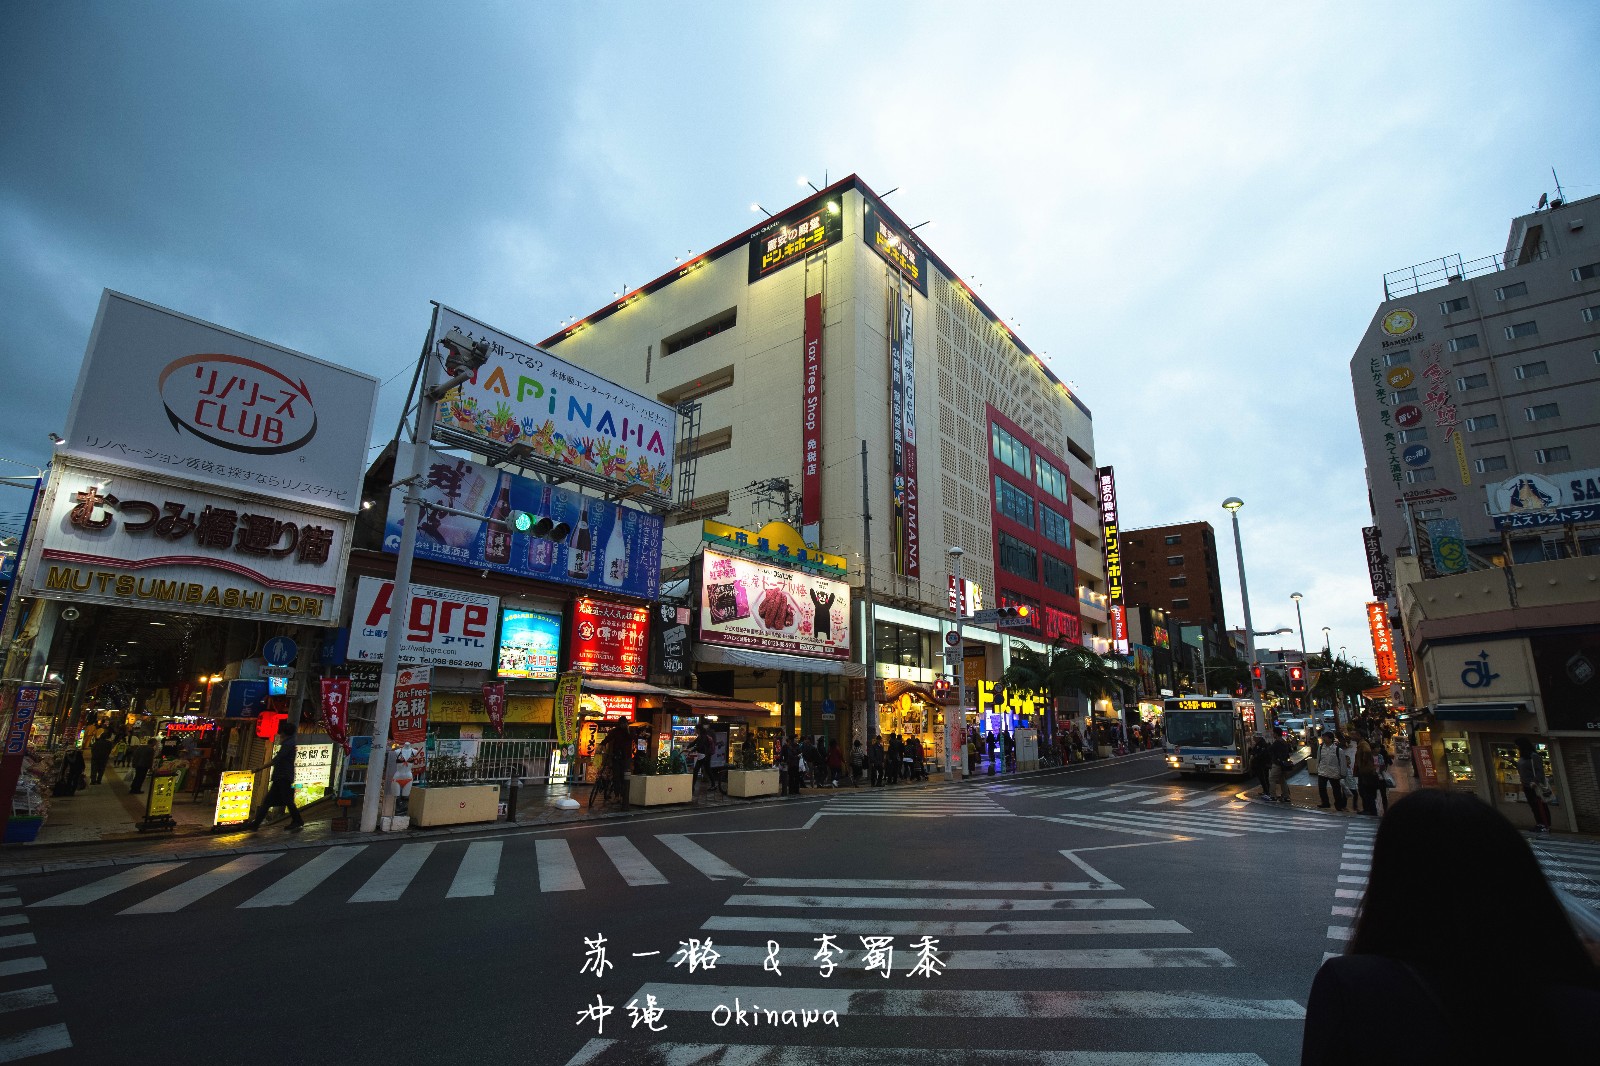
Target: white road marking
{"x":922,"y":1003}
{"x":479,"y":868}
{"x":1350,"y":879}
{"x":938,"y":903}
{"x":180,"y":896}
{"x":803,"y":959}
{"x":24,"y":998}
{"x":118,"y":881}
{"x":928,"y":886}
{"x":630,"y":862}
{"x":394,"y":876}
{"x":605,"y":1052}
{"x":13,"y":919}
{"x":1108,"y":927}
{"x":1126,"y":818}
{"x":25,"y":940}
{"x":1340,"y":932}
{"x":1356,"y":866}
{"x":12,"y":967}
{"x":292,"y":887}
{"x":558,"y":870}
{"x":698,"y":857}
{"x":34,"y":1042}
{"x":1348,"y":893}
{"x":1344,"y":912}
{"x":1084,"y":822}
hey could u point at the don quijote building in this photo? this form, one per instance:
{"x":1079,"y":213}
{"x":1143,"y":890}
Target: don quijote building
{"x":784,"y":350}
{"x":198,"y":511}
{"x":1477,"y":385}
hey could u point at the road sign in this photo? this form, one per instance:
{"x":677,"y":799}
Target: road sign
{"x":952,"y":638}
{"x":982,"y":618}
{"x":280,"y":651}
{"x":1017,"y":622}
{"x":277,"y":671}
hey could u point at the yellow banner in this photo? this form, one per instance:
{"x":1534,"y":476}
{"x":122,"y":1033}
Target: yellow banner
{"x":234,"y":797}
{"x":163,"y":787}
{"x":1461,"y":460}
{"x":468,"y":707}
{"x":568,"y":689}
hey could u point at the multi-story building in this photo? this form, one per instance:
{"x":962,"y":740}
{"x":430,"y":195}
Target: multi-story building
{"x":1174,"y":567}
{"x":1477,"y":388}
{"x":797,"y":351}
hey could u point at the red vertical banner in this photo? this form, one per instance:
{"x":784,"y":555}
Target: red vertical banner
{"x":811,"y":425}
{"x":412,"y":687}
{"x":910,"y":530}
{"x":336,"y":710}
{"x":494,"y":701}
{"x":1382,"y":643}
{"x":22,"y":710}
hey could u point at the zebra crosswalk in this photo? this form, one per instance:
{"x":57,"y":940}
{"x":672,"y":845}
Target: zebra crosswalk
{"x":1135,"y":796}
{"x":27,"y":1005}
{"x":1219,"y":822}
{"x":463,"y":870}
{"x":850,"y":920}
{"x":949,"y":802}
{"x":1572,"y":866}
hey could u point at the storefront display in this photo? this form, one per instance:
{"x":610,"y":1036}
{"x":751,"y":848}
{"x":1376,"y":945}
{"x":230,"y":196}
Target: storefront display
{"x":1458,"y":761}
{"x":313,"y":769}
{"x":1508,"y":782}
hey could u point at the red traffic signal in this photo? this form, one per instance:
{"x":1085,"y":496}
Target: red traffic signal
{"x":1256,"y":674}
{"x":1297,"y":680}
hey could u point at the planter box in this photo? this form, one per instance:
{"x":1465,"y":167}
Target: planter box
{"x":749,"y":783}
{"x":649,"y":790}
{"x":455,"y":804}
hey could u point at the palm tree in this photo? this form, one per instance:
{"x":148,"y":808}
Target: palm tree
{"x":1067,"y":669}
{"x":1341,"y":679}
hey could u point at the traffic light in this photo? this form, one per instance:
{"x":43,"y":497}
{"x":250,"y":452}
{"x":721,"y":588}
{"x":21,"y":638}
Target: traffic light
{"x":540,"y":526}
{"x":1257,"y":675}
{"x":1017,"y":616}
{"x":1013,"y":612}
{"x":1297,"y":681}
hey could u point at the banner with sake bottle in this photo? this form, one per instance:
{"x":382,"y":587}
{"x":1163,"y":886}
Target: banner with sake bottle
{"x":587,"y":541}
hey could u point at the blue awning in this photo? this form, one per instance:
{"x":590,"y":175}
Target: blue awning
{"x":1478,"y":712}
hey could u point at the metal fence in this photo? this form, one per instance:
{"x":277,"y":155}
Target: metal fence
{"x":479,"y":762}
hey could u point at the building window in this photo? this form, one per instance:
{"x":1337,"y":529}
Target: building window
{"x":1418,"y":476}
{"x":703,"y":385}
{"x":1055,"y":527}
{"x":1010,"y":451}
{"x":1412,"y":436}
{"x":1403,"y":396}
{"x":1522,"y":329}
{"x":1398,"y":357}
{"x":1018,"y":558}
{"x":1585,"y":272}
{"x":1052,"y":480}
{"x":1483,"y":422}
{"x":1592,"y":314}
{"x":1013,"y":503}
{"x":902,"y":646}
{"x":1180,"y":604}
{"x":1177,"y":582}
{"x":1174,"y":538}
{"x":1559,"y":454}
{"x":1461,"y":344}
{"x":1490,"y":463}
{"x":700,"y":331}
{"x":1541,"y":411}
{"x":1426,"y":513}
{"x":1058,"y":576}
{"x":1506,"y":292}
{"x":1537,"y":369}
{"x":1450,"y":307}
{"x":1472,"y":381}
{"x":1174,"y":560}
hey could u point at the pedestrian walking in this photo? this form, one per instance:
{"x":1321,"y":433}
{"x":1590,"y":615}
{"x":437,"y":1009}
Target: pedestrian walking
{"x":1352,"y":787}
{"x":1011,"y":751}
{"x":99,"y":755}
{"x":791,"y":765}
{"x":1279,"y":768}
{"x":1331,"y":769}
{"x":701,"y":751}
{"x":1530,"y":771}
{"x":891,"y":764}
{"x":1366,"y":771}
{"x":1430,"y":841}
{"x":858,"y":762}
{"x":142,"y":758}
{"x":1261,"y":764}
{"x":280,"y":793}
{"x":875,"y":760}
{"x":835,"y":764}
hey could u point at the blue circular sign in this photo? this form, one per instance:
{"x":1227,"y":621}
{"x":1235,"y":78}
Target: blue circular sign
{"x":1416,"y":455}
{"x":280,"y":651}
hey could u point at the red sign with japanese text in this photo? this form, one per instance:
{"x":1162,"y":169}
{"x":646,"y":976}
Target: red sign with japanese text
{"x":409,"y":724}
{"x":1382,"y":643}
{"x":494,"y":703}
{"x":336,"y":710}
{"x":609,"y":639}
{"x":811,"y":419}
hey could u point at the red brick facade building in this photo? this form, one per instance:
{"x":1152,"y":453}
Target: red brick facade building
{"x":1175,"y":568}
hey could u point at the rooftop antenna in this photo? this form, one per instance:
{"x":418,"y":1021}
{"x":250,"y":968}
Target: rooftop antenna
{"x":1559,"y":194}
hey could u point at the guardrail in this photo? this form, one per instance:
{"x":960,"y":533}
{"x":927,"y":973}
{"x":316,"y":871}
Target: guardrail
{"x":479,"y":762}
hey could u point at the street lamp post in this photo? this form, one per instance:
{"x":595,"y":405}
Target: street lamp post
{"x":1301,"y":622}
{"x":1232,"y":505}
{"x":961,"y":674}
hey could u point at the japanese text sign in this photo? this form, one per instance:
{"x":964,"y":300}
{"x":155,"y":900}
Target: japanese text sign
{"x":609,"y":639}
{"x":494,"y":705}
{"x":748,"y":604}
{"x":162,"y":392}
{"x":794,"y":235}
{"x":1382,"y":643}
{"x":412,"y":686}
{"x":235,"y":797}
{"x":336,"y":710}
{"x":445,"y":627}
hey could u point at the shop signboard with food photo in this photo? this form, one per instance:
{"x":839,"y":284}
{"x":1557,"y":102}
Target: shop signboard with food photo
{"x":172,"y":395}
{"x":749,"y":604}
{"x":530,"y":645}
{"x":609,"y":639}
{"x":572,"y":539}
{"x":565,"y":414}
{"x":446,"y":628}
{"x":235,"y":797}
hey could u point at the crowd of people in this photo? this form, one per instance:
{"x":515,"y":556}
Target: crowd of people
{"x":1354,"y":769}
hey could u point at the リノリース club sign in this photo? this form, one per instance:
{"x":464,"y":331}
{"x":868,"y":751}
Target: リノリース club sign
{"x":749,"y":604}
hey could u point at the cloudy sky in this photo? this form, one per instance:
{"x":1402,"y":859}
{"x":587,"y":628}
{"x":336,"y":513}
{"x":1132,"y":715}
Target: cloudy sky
{"x":1188,"y":207}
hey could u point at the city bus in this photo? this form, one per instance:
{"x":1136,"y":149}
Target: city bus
{"x":1208,"y":734}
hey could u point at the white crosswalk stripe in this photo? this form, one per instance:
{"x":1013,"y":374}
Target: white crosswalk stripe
{"x":180,"y":896}
{"x":938,"y":903}
{"x":1572,"y":866}
{"x":630,"y":861}
{"x":558,"y":870}
{"x":938,"y":803}
{"x":34,"y":1042}
{"x":1134,"y":795}
{"x":392,"y":878}
{"x":291,"y":888}
{"x":115,"y":883}
{"x":600,"y":1051}
{"x":478,"y":870}
{"x":29,"y":1033}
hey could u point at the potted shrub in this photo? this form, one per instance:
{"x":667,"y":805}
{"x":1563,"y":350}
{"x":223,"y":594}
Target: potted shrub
{"x":752,"y":779}
{"x":450,"y":797}
{"x":664,"y":779}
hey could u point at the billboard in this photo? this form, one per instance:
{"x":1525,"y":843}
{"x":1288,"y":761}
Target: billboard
{"x":607,"y":547}
{"x":446,"y":627}
{"x":609,"y":639}
{"x":134,"y":542}
{"x":162,"y":392}
{"x":1377,"y":563}
{"x":794,"y":235}
{"x":903,"y":436}
{"x":1532,"y":500}
{"x":564,"y":413}
{"x":811,"y":423}
{"x":1106,"y":479}
{"x":1383,"y":657}
{"x":530,"y":644}
{"x":750,"y":604}
{"x":895,"y":244}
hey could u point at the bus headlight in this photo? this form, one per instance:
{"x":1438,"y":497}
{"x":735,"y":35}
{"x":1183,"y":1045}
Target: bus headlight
{"x":1172,"y":760}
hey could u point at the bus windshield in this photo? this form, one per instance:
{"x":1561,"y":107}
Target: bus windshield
{"x":1206,"y":729}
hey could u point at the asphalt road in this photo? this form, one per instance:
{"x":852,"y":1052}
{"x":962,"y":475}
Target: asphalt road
{"x":1111,"y":910}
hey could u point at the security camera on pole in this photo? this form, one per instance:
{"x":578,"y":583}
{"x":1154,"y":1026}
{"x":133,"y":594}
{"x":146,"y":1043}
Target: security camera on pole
{"x":464,"y":357}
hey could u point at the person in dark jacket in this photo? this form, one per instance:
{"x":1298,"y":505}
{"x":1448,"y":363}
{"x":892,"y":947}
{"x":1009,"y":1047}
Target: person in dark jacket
{"x":892,"y":765}
{"x":142,"y":758}
{"x":280,"y":793}
{"x":99,"y":755}
{"x":1458,"y":1005}
{"x":791,"y":765}
{"x":1261,"y":764}
{"x":1279,"y":768}
{"x":875,"y":759}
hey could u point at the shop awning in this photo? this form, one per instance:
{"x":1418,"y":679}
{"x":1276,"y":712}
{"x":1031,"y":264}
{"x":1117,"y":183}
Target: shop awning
{"x":1478,"y":712}
{"x":630,"y":688}
{"x":711,"y":705}
{"x":768,"y":660}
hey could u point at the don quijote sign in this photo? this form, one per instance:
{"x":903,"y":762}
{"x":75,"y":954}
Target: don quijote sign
{"x":172,"y":395}
{"x":444,"y":627}
{"x":123,"y":539}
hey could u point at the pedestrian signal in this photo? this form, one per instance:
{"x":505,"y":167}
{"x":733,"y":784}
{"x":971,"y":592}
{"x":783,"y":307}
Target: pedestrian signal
{"x":1256,"y":674}
{"x":1297,"y":680}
